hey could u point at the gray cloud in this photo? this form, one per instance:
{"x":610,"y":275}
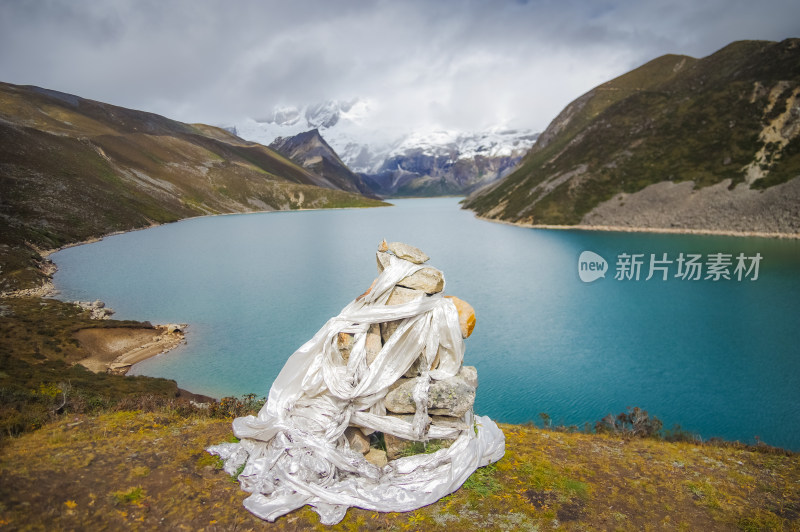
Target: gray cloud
{"x":467,"y":64}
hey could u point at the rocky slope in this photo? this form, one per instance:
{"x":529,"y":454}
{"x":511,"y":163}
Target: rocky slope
{"x":680,"y":142}
{"x":72,"y":169}
{"x":309,"y":150}
{"x":425,"y":162}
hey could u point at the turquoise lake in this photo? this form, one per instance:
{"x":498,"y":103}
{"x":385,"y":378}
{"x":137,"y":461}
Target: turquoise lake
{"x":721,"y":358}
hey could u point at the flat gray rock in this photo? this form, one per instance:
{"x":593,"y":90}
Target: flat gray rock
{"x":402,"y":295}
{"x":373,"y":343}
{"x":448,"y":397}
{"x":358,"y":442}
{"x":383,"y":260}
{"x":469,"y":374}
{"x":409,"y":253}
{"x":397,"y":447}
{"x":430,"y":280}
{"x":388,"y":328}
{"x":376,"y":457}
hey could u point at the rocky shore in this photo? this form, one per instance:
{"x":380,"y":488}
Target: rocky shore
{"x":716,"y":209}
{"x":110,"y":349}
{"x":660,"y":230}
{"x":679,"y":208}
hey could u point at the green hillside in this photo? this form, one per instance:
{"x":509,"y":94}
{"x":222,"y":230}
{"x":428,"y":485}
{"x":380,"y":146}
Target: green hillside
{"x":73,"y":169}
{"x":730,"y":116}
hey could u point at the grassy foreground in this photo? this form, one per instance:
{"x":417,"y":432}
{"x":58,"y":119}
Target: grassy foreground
{"x":148,"y":470}
{"x":84,"y":451}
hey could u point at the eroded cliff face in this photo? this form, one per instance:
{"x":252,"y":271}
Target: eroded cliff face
{"x":780,"y":125}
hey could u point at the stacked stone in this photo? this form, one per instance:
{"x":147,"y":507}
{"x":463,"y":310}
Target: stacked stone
{"x":449,"y":400}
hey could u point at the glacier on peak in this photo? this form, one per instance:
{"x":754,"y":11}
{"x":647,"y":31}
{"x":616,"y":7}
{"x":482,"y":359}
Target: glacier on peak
{"x":371,"y":150}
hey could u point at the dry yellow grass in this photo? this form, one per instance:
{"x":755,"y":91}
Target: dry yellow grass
{"x":142,"y":471}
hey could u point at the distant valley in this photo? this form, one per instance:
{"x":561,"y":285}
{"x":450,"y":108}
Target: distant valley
{"x":73,"y":169}
{"x":427,"y":162}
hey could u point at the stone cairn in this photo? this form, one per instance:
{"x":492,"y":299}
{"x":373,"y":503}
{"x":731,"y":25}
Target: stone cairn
{"x":449,"y":400}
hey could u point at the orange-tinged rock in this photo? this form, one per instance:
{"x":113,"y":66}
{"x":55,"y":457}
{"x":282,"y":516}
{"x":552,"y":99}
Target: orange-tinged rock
{"x":344,"y":343}
{"x":384,"y":246}
{"x":466,"y":315}
{"x":365,"y":294}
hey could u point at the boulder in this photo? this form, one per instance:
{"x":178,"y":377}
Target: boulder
{"x":416,"y":368}
{"x":397,"y":447}
{"x":409,"y":253}
{"x":398,"y":296}
{"x":101,"y":313}
{"x":466,"y":315}
{"x":376,"y":457}
{"x":344,"y":343}
{"x":469,"y":374}
{"x":402,"y":295}
{"x":442,"y":421}
{"x":383,"y":261}
{"x":365,"y":294}
{"x":118,"y":368}
{"x":450,"y":422}
{"x":374,"y":343}
{"x":429,"y":280}
{"x":448,"y":397}
{"x":358,"y":442}
{"x":394,"y":446}
{"x":388,"y":328}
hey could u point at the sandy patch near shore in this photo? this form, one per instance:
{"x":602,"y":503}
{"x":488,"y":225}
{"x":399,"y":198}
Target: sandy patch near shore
{"x":116,"y":349}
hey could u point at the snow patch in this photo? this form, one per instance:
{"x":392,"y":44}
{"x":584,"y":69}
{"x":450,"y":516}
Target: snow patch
{"x":343,"y":125}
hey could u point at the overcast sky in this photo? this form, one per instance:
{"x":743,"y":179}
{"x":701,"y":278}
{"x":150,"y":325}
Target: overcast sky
{"x":454,"y":64}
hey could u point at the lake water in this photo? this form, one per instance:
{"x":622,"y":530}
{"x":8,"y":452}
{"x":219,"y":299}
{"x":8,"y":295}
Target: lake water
{"x":720,"y":358}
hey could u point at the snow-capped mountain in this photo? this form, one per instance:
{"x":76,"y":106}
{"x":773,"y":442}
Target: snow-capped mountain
{"x":423,"y":162}
{"x":341,"y":124}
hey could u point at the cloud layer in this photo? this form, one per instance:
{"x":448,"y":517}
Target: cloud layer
{"x":465,"y":64}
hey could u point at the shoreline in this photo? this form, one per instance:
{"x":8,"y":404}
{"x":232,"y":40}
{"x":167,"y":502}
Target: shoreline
{"x":103,"y":359}
{"x":45,"y":253}
{"x":164,"y":342}
{"x":659,"y":230}
{"x":116,"y":349}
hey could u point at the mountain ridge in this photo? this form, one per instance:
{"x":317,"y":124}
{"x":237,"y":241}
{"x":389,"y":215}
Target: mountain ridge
{"x":731,"y":117}
{"x":310,"y":151}
{"x":72,"y":169}
{"x":423,"y":162}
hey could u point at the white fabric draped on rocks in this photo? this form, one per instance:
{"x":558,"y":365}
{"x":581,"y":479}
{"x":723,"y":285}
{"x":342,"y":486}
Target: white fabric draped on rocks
{"x":295,"y":452}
